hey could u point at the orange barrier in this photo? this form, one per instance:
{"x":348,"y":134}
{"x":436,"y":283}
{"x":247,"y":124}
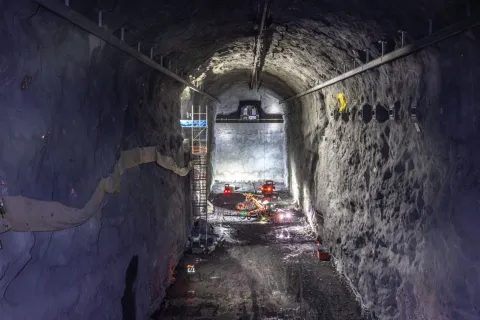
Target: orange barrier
{"x":200,"y":150}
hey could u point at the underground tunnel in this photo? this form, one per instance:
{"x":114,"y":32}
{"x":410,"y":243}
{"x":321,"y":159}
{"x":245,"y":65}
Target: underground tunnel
{"x":374,"y":147}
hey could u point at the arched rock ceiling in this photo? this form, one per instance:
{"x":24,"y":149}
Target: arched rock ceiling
{"x":234,"y":87}
{"x":308,"y":40}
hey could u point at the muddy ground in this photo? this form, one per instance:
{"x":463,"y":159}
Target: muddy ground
{"x":262,"y":271}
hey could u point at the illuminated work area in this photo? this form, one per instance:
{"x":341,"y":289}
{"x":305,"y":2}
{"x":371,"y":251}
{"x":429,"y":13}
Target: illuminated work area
{"x":270,"y":159}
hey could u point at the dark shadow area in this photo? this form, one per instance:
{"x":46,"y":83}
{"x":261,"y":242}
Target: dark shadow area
{"x":335,"y":114}
{"x":353,"y":113}
{"x":366,"y":113}
{"x":236,"y":117}
{"x":390,"y":44}
{"x":381,"y":113}
{"x":345,"y":116}
{"x":129,"y":126}
{"x":128,"y":299}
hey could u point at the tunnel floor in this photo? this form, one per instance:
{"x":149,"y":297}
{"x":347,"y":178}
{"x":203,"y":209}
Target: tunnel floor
{"x":262,"y":271}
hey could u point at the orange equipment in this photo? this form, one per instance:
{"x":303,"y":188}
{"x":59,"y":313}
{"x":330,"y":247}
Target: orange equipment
{"x":268,"y":187}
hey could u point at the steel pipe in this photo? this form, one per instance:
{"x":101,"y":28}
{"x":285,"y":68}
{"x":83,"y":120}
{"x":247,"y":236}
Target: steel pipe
{"x":80,"y":21}
{"x":441,"y":35}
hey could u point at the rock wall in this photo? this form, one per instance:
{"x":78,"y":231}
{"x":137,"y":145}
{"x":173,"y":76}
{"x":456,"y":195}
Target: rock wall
{"x":397,"y":208}
{"x":68,"y":105}
{"x":248,"y":152}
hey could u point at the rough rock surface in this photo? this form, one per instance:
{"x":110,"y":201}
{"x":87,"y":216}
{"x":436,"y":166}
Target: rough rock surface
{"x":399,"y":209}
{"x":393,"y":204}
{"x":68,"y":106}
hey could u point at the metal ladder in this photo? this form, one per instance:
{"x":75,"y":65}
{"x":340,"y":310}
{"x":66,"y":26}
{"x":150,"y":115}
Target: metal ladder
{"x":199,"y":145}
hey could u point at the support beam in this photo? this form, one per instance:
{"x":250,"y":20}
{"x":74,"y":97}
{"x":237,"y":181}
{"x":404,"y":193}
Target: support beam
{"x":80,"y":21}
{"x":397,"y":54}
{"x":258,"y":48}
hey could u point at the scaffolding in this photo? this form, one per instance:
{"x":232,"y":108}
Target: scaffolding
{"x":199,"y":151}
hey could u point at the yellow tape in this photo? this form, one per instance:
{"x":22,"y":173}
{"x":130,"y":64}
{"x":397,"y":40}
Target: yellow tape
{"x":343,"y":102}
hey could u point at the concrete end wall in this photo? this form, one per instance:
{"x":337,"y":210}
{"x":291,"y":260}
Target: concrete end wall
{"x":249,"y":152}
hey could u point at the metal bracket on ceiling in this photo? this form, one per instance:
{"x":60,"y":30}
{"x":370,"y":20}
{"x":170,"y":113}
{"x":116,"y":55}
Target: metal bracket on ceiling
{"x":414,"y":116}
{"x":74,"y":17}
{"x":427,"y":41}
{"x":402,"y":34}
{"x":382,"y":42}
{"x":413,"y":112}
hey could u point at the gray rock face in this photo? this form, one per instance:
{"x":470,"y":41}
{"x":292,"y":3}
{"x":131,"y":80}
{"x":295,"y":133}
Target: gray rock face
{"x":68,"y":106}
{"x":249,"y":152}
{"x":392,"y":204}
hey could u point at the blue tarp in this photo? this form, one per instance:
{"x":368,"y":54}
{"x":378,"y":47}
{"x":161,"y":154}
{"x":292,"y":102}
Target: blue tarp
{"x":193,"y":123}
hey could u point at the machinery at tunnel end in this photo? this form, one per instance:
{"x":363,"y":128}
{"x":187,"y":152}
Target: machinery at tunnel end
{"x":228,"y":189}
{"x":268,"y":188}
{"x":260,"y":208}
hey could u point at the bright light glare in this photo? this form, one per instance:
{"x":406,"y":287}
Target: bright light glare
{"x":282,"y":216}
{"x":185,"y":94}
{"x":275,"y":108}
{"x":288,"y":215}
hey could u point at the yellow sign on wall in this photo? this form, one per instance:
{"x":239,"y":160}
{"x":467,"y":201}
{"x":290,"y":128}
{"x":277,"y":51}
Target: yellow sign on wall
{"x":343,"y":102}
